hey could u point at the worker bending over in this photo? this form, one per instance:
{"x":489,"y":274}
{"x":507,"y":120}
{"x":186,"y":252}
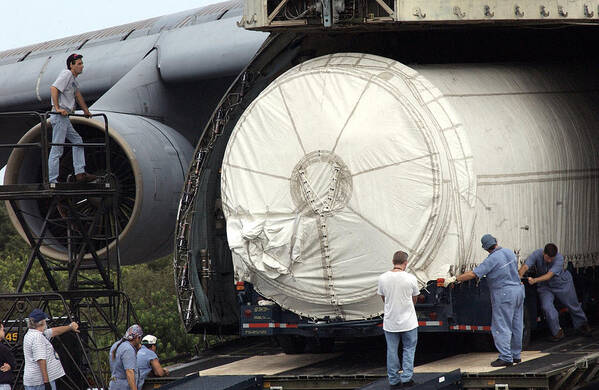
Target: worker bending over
{"x":507,"y":299}
{"x":147,"y":360}
{"x":555,"y":282}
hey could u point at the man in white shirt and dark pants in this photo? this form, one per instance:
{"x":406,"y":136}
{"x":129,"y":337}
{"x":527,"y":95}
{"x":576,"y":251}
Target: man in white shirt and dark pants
{"x":399,"y":291}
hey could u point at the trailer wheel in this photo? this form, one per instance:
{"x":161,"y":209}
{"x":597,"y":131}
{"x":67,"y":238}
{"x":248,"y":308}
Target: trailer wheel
{"x":292,"y":344}
{"x":482,"y":342}
{"x":526,"y":330}
{"x":321,"y":344}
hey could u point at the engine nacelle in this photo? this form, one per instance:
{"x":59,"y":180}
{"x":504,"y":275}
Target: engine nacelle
{"x":148,"y":160}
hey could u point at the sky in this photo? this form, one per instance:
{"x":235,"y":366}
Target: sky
{"x":24,"y":22}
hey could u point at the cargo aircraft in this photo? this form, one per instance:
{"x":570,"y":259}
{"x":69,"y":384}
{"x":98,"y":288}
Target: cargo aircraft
{"x":327,"y":135}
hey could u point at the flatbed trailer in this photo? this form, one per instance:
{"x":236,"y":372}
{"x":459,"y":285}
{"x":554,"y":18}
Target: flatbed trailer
{"x":569,"y":364}
{"x":460,"y":309}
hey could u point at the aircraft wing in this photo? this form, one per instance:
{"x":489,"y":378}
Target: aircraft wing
{"x":158,"y":81}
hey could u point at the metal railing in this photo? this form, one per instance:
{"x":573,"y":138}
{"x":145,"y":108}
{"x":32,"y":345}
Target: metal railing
{"x":43,"y":144}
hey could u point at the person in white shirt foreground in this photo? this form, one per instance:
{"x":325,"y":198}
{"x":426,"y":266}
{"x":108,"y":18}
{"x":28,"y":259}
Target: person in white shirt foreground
{"x":42,"y":364}
{"x":399,"y":291}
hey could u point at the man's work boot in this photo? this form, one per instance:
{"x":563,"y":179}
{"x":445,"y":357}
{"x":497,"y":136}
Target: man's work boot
{"x":585,"y":330}
{"x":85,"y":177}
{"x":500,"y":363}
{"x":558,"y":336}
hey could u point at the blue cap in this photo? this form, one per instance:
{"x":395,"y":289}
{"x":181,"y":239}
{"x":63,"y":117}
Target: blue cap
{"x":38,"y":314}
{"x":488,"y":241}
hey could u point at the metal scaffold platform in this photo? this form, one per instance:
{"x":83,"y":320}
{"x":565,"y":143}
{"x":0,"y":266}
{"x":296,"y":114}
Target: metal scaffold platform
{"x":83,"y":287}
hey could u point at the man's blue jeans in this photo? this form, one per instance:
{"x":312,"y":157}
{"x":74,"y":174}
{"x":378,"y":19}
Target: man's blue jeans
{"x":41,"y":387}
{"x":409,"y":340}
{"x":61,"y":129}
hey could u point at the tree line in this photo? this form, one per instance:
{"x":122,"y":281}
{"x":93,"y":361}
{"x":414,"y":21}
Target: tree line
{"x":150,"y":287}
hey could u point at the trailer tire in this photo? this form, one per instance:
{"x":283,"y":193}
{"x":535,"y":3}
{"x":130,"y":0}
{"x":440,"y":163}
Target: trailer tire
{"x":482,"y":342}
{"x":292,"y":344}
{"x":321,"y":345}
{"x":526,"y":329}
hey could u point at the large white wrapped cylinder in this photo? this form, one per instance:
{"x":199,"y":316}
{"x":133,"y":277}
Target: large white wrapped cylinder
{"x":339,"y":163}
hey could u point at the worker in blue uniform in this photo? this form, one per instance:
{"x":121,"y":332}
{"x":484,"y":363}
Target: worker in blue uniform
{"x":553,"y":281}
{"x":507,"y":299}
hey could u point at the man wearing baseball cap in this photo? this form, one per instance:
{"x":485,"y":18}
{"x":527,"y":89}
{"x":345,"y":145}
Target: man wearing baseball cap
{"x":553,"y":281}
{"x":147,"y":360}
{"x":123,"y":360}
{"x":507,"y":299}
{"x":42,"y":364}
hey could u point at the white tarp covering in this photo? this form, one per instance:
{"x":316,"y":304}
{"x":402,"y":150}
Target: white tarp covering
{"x":340,"y":162}
{"x":533,"y":132}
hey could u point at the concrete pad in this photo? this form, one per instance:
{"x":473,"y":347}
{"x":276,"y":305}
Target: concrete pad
{"x":269,"y":364}
{"x":472,"y":362}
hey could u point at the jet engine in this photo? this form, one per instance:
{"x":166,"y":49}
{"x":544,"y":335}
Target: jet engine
{"x":148,"y":161}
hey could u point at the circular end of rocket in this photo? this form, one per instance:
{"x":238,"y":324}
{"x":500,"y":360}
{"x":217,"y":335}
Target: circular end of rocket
{"x":340,"y":162}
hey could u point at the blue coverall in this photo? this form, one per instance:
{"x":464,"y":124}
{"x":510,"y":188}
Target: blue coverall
{"x":560,"y":286}
{"x":507,"y":301}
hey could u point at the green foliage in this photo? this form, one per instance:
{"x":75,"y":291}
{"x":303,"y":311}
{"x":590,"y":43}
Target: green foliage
{"x":11,"y":242}
{"x":150,"y":287}
{"x":14,"y":253}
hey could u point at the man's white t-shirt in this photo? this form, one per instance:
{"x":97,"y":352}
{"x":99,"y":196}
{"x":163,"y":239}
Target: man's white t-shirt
{"x":67,"y":86}
{"x":37,"y":346}
{"x":398,"y":288}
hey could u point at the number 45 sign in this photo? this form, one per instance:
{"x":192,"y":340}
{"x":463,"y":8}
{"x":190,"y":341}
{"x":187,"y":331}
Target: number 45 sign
{"x":12,"y":337}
